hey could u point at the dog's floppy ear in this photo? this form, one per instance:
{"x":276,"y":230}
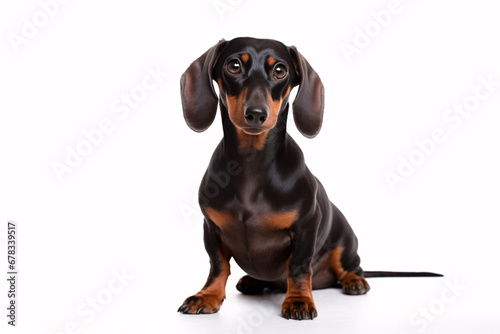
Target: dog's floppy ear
{"x":309,"y":101}
{"x":199,"y":100}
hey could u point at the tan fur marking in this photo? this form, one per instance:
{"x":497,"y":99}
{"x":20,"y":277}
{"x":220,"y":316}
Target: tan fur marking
{"x":275,"y":106}
{"x":218,"y":285}
{"x":287,"y":91}
{"x":236,"y":115}
{"x":235,"y":108}
{"x":220,"y":218}
{"x":336,"y":264}
{"x":245,"y":57}
{"x":302,"y":287}
{"x":348,"y":279}
{"x":298,"y":299}
{"x":248,"y":141}
{"x":282,"y":220}
{"x":353,"y":284}
{"x":271,"y":61}
{"x":212,"y":295}
{"x":219,"y":82}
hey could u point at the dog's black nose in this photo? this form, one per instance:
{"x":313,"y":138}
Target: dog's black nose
{"x":255,"y":116}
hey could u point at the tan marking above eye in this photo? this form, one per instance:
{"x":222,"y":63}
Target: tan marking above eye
{"x":271,"y":61}
{"x":245,"y":57}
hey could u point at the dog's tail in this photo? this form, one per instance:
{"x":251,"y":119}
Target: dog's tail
{"x":370,"y":274}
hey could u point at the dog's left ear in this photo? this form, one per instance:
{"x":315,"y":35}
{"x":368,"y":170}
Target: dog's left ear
{"x":199,"y":100}
{"x":310,"y":99}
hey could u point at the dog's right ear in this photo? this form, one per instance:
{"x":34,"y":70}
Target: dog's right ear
{"x":199,"y":100}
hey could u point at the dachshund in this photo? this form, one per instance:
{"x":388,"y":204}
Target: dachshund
{"x":261,"y":204}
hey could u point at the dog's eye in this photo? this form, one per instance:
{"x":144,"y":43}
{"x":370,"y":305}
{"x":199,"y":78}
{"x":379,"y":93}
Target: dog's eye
{"x":234,"y":66}
{"x":279,"y":71}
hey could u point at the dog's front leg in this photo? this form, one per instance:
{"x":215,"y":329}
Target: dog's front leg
{"x":209,"y":299}
{"x":299,"y":303}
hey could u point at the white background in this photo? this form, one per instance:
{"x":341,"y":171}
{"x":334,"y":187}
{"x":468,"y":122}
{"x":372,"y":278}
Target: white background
{"x":130,"y":204}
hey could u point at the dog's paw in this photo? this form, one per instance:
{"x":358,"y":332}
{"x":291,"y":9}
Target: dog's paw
{"x":248,"y":285}
{"x":353,"y":284}
{"x":299,"y":308}
{"x":201,"y":303}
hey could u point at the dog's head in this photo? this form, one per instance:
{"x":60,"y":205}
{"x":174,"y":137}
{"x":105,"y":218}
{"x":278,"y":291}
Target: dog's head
{"x":255,"y":77}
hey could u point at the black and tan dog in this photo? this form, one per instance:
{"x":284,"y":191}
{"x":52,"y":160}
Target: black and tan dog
{"x":262,"y":205}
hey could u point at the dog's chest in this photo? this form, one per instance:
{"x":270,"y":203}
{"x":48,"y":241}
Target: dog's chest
{"x":247,"y":205}
{"x":259,"y":242}
{"x":244,"y":221}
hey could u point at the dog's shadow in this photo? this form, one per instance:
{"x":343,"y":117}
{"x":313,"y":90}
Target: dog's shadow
{"x":264,"y":304}
{"x":270,"y":300}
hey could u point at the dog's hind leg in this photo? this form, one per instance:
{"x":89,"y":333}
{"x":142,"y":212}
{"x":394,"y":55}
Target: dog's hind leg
{"x":352,"y":281}
{"x":248,"y":285}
